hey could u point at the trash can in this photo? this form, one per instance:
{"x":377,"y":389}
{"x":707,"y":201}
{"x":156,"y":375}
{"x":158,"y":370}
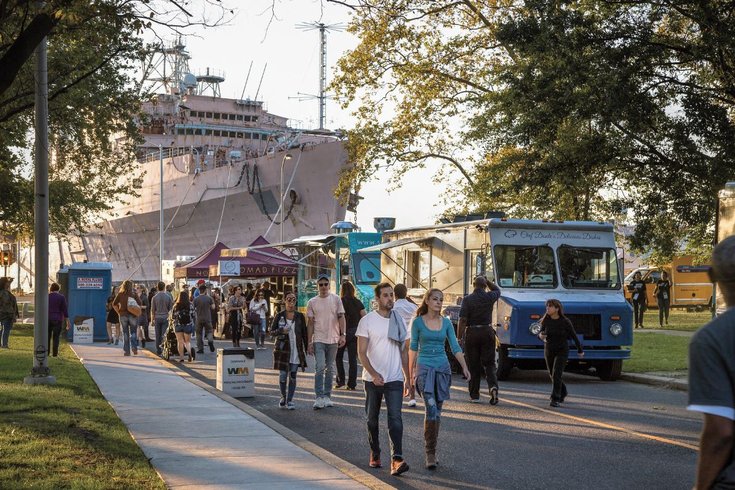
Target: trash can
{"x":236,"y":372}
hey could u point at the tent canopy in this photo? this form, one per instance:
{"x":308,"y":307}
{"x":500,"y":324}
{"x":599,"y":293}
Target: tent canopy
{"x":262,"y":262}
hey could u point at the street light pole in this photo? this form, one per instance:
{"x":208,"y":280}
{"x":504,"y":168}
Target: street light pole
{"x":160,"y":222}
{"x":40,"y":373}
{"x":287,"y":156}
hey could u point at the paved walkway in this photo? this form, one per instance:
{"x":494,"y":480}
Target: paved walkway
{"x":195,"y":439}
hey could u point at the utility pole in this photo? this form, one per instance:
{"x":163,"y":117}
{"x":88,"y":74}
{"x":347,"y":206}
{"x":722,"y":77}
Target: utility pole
{"x":40,"y":373}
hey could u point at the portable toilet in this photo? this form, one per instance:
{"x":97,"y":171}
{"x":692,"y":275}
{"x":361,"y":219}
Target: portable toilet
{"x":89,"y":285}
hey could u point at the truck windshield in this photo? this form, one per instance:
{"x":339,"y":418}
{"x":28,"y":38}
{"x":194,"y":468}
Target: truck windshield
{"x":588,"y":268}
{"x":520,"y":266}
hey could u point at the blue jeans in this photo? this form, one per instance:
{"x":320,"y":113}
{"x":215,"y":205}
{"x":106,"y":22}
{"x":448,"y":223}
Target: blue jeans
{"x":325,"y":354}
{"x":129,"y":325}
{"x":161,"y":325}
{"x":289,"y":376}
{"x":260,"y":333}
{"x":5,"y":327}
{"x":393,"y":393}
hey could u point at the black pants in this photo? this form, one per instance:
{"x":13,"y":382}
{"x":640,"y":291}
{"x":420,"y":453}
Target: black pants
{"x":393,"y":394}
{"x":54,"y":331}
{"x":663,"y":310}
{"x":639,"y":308}
{"x":351,"y":347}
{"x":556,"y":360}
{"x":479,"y":345}
{"x":235,"y":328}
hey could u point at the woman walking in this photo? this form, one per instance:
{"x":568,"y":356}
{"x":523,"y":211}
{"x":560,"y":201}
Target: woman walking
{"x":556,"y":331}
{"x":8,"y":311}
{"x":663,"y":298}
{"x":354,"y":310}
{"x":259,"y":307}
{"x":127,"y":305}
{"x":429,"y":365}
{"x":183,"y":314}
{"x":637,"y":289}
{"x":113,"y":321}
{"x":235,"y":305}
{"x":289,"y":352}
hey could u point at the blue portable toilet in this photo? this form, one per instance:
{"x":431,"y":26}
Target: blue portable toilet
{"x":89,"y":286}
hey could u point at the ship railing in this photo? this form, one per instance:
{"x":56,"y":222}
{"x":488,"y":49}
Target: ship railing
{"x":150,"y":156}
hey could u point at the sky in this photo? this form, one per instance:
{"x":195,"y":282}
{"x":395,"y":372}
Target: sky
{"x":292,"y":58}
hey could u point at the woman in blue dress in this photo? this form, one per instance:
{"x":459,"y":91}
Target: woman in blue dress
{"x":429,"y":365}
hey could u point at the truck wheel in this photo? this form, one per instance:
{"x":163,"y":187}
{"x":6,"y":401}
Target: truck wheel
{"x":610,"y":370}
{"x":699,"y":309}
{"x":505,"y":364}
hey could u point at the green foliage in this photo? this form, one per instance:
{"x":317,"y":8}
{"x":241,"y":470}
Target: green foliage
{"x":65,"y":435}
{"x":564,"y":110}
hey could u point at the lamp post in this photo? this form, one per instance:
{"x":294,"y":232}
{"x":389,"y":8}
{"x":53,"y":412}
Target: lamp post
{"x":287,"y":156}
{"x":160,"y":222}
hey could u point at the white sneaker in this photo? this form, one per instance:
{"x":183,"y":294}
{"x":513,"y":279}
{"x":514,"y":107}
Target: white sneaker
{"x":318,"y":403}
{"x":291,"y":406}
{"x":328,"y":401}
{"x":411,"y":402}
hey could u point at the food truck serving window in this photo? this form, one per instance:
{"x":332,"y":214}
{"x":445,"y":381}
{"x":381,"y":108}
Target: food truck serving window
{"x":519,"y":266}
{"x":588,"y":268}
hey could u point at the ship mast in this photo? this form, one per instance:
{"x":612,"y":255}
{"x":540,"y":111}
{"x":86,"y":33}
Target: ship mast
{"x":322,"y":97}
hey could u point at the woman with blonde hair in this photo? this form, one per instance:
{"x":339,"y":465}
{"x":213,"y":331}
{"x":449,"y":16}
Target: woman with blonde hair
{"x":556,"y":331}
{"x":429,"y":365}
{"x":127,"y":306}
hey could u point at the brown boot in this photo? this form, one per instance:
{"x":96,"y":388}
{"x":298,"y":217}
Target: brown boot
{"x":431,"y":430}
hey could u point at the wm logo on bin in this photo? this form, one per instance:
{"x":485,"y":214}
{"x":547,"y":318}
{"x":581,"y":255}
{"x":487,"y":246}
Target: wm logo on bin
{"x":239,"y":371}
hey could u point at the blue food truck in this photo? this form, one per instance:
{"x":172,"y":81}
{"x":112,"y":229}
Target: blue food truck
{"x":531,"y":261}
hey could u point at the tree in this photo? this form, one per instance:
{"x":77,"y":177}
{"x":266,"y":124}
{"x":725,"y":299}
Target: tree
{"x":552,"y":109}
{"x":95,"y":49}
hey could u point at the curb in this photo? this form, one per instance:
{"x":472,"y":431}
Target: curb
{"x":648,"y":379}
{"x":357,"y":474}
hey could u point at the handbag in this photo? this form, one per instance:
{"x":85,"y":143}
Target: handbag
{"x":253,"y":318}
{"x":133,"y":307}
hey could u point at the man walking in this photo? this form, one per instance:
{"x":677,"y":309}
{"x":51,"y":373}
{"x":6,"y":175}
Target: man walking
{"x":406,"y":309}
{"x":203,"y":305}
{"x":712,"y":379}
{"x":161,"y":305}
{"x":479,"y":337}
{"x":326,"y":332}
{"x":381,"y":346}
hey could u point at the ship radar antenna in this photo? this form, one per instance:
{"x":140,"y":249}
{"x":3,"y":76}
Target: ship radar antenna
{"x":322,"y":97}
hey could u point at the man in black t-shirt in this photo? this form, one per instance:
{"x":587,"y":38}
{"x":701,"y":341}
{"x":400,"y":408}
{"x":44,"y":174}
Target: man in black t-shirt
{"x":712,"y":379}
{"x":478,"y":337}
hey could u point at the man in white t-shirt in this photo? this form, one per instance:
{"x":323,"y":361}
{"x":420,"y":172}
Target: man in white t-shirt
{"x":406,"y":309}
{"x":326,"y":330}
{"x":385,"y":374}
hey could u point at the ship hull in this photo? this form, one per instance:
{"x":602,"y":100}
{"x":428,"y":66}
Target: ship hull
{"x":203,"y":208}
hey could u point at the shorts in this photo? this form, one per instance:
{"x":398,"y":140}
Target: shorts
{"x":184,"y":329}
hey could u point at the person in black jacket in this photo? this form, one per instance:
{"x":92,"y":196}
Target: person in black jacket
{"x":556,"y":331}
{"x":663,"y":298}
{"x":638,"y":297}
{"x":289,"y":351}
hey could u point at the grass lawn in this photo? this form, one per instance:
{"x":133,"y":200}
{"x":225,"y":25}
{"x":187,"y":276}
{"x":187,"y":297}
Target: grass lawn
{"x":657,"y":352}
{"x":679,"y":319}
{"x":65,"y":435}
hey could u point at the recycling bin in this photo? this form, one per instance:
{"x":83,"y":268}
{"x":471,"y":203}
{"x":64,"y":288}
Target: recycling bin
{"x":236,"y":371}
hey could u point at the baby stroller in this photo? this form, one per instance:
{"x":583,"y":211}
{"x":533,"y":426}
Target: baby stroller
{"x":170,"y":345}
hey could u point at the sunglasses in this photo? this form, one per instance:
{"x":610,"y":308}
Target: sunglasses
{"x":323,"y":284}
{"x":290,"y":300}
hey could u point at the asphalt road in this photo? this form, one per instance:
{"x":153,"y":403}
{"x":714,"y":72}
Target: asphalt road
{"x":607,"y":435}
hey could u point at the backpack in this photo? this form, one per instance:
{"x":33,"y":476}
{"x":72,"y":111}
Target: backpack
{"x":183,"y":316}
